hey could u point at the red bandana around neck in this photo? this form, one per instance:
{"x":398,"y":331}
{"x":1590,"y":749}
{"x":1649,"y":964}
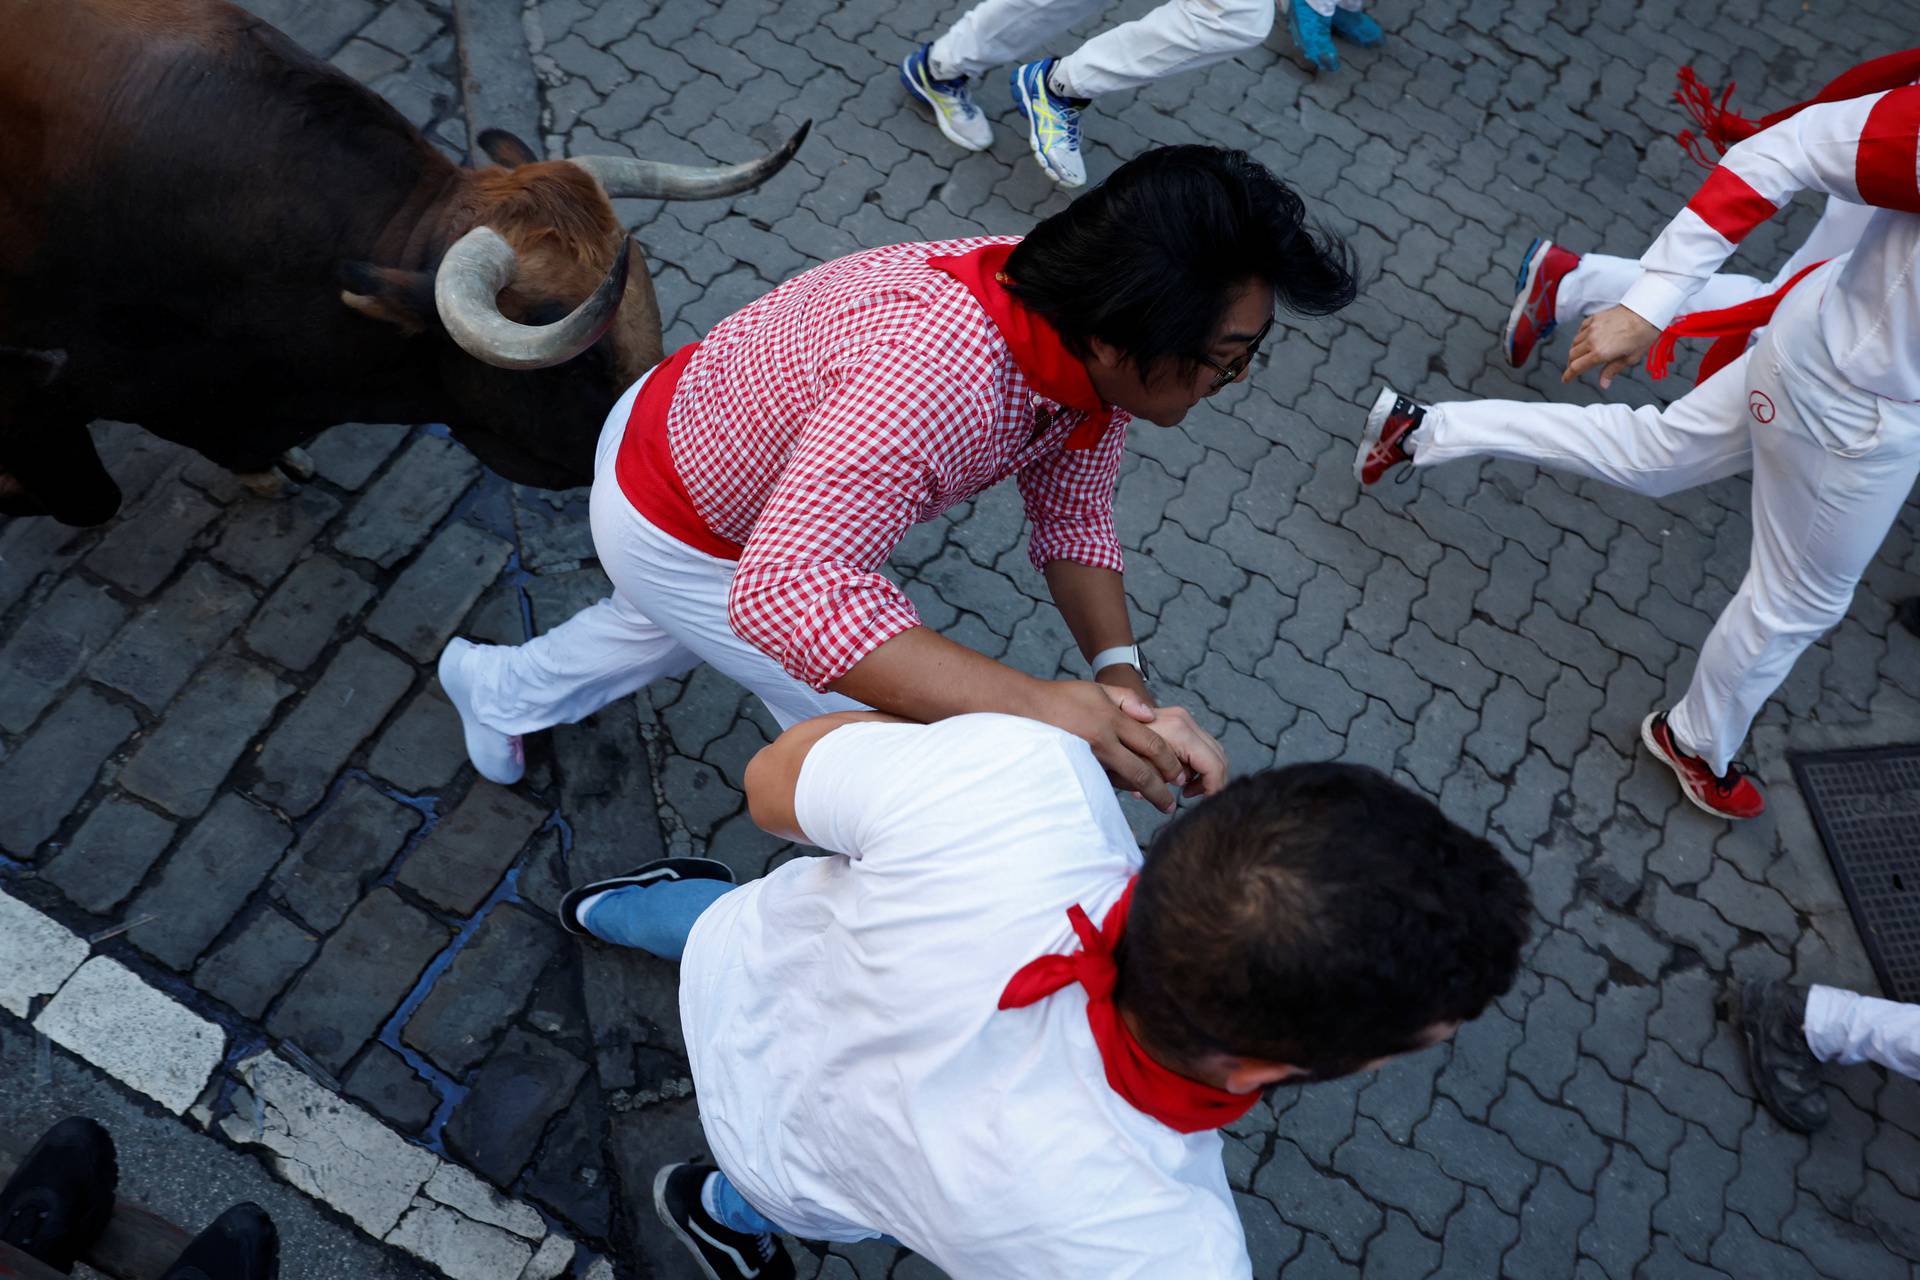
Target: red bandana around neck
{"x":1177,"y":1101}
{"x":1054,"y":371}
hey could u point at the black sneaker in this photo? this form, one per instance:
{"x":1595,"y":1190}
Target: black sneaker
{"x":1772,"y":1018}
{"x":58,"y":1201}
{"x":240,"y":1244}
{"x":722,"y":1252}
{"x":659,"y":871}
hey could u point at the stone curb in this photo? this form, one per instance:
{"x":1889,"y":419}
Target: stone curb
{"x":338,"y":1153}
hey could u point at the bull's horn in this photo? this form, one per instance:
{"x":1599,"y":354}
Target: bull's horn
{"x":466,"y":291}
{"x":624,"y":178}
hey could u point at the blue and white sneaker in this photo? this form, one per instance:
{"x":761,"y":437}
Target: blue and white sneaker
{"x":1053,"y":123}
{"x":1312,"y":31}
{"x":1356,"y":28}
{"x":965,"y":124}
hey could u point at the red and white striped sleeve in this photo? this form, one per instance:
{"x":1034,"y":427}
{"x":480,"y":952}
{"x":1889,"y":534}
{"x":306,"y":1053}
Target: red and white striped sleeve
{"x":1864,"y":149}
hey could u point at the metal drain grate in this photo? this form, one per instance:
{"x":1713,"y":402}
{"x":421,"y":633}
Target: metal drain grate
{"x":1866,"y":805}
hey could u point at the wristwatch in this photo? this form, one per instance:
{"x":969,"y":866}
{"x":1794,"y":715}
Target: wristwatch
{"x":1127,"y":653}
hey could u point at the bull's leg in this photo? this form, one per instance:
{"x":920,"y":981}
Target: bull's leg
{"x":49,"y":467}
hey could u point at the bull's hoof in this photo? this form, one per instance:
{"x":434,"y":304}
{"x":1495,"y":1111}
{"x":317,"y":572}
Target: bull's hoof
{"x":263,"y":484}
{"x":297,"y":463}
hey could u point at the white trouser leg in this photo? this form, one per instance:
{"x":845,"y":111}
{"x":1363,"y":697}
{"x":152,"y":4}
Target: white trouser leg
{"x":667,"y":614}
{"x":1700,"y":437}
{"x":1819,"y":515}
{"x":1180,"y":35}
{"x":1846,"y":1027}
{"x":996,"y":32}
{"x":1601,"y":280}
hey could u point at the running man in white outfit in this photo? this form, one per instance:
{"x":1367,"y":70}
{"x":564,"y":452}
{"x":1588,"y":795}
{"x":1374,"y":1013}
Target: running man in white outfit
{"x":986,"y":1027}
{"x":1824,"y":410}
{"x":1790,"y":1030}
{"x":1179,"y":36}
{"x":1555,"y":284}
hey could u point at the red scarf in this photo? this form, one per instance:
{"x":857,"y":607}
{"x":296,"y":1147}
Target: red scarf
{"x":1725,"y":127}
{"x":1180,"y":1103}
{"x":1731,"y":325}
{"x":1054,"y":371}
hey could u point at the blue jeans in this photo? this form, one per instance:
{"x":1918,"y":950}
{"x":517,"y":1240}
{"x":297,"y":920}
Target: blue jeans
{"x":657,"y":918}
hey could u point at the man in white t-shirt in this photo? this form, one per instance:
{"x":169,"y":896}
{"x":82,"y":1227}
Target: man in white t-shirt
{"x":988,"y":1030}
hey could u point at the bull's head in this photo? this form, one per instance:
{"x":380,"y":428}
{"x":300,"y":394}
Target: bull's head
{"x":549,"y":309}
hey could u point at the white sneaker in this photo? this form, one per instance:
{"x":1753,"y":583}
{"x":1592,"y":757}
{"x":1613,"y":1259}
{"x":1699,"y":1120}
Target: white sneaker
{"x":1053,"y":124}
{"x":965,"y":124}
{"x":498,"y":756}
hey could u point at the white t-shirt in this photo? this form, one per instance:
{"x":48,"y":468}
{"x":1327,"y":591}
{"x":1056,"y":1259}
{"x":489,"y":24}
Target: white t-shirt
{"x":854,"y":1074}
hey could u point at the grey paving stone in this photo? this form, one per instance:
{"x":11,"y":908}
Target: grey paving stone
{"x":1549,"y":1052}
{"x":50,"y":647}
{"x":1477,"y":1235}
{"x":1476,"y":1071}
{"x":520,"y":1088}
{"x":152,"y":657}
{"x":422,"y":749}
{"x":105,"y":859}
{"x":181,"y":764}
{"x":48,"y":773}
{"x":341,"y":853}
{"x":1408,"y":1179}
{"x":487,"y":984}
{"x":263,"y":536}
{"x":31,"y":548}
{"x":349,"y":454}
{"x":202,"y":884}
{"x":1554,"y":1135}
{"x":139,"y":554}
{"x":353,"y":695}
{"x":1695,"y":1206}
{"x":1400,"y":1250}
{"x":1550,"y":1223}
{"x":426,"y":602}
{"x":303,"y":614}
{"x":1619,"y":1234}
{"x":1475,"y":1153}
{"x":1314,"y":1202}
{"x":257,"y":963}
{"x":383,"y":1080}
{"x":363,"y":972}
{"x":403,"y":506}
{"x":461,"y":859}
{"x":570,"y":1174}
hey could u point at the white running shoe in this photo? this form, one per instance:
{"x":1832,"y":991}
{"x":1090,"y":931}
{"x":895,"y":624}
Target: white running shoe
{"x":965,"y":124}
{"x":498,"y":756}
{"x":1053,"y":123}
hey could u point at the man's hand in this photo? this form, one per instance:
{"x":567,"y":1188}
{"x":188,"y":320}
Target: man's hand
{"x":1114,"y":723}
{"x":1611,"y":341}
{"x":1205,"y":760}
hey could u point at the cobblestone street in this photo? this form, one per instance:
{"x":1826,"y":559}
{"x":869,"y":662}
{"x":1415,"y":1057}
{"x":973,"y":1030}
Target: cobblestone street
{"x":220,"y":727}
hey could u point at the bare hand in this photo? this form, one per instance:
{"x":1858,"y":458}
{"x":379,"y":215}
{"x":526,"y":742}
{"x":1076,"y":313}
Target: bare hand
{"x":1114,"y":723}
{"x":1611,"y":340}
{"x":1205,"y":760}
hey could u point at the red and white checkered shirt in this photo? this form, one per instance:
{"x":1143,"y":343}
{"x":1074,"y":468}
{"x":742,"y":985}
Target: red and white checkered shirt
{"x":818,"y":424}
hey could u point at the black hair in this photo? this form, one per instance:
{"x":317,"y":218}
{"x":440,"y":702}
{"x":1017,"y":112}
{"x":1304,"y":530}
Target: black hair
{"x":1148,"y":260}
{"x":1320,"y":915}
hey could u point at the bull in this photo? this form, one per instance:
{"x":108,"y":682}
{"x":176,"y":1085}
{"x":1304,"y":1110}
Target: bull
{"x":208,"y":232}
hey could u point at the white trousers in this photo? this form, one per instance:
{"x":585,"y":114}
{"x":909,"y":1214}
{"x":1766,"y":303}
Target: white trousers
{"x":1601,"y":280}
{"x":667,"y":614}
{"x":1846,"y":1027}
{"x":1831,"y":466}
{"x":1180,"y":35}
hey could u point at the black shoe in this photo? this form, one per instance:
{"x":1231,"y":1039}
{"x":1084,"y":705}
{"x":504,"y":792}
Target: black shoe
{"x":722,"y":1252}
{"x":58,"y":1201}
{"x":1786,"y":1075}
{"x":240,"y":1244}
{"x":659,"y":871}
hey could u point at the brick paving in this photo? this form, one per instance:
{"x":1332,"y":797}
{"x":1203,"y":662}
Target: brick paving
{"x":218,"y":717}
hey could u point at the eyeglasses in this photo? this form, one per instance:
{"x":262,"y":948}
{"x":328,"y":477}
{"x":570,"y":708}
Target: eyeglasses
{"x":1236,"y":368}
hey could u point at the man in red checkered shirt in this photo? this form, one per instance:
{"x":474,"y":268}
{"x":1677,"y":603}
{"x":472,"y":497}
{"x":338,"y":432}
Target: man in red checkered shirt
{"x":749,"y":488}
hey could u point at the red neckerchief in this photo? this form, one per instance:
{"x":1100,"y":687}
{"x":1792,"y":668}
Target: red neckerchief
{"x":1731,"y":325}
{"x":1724,"y":126}
{"x":1054,"y":371}
{"x":1177,"y":1101}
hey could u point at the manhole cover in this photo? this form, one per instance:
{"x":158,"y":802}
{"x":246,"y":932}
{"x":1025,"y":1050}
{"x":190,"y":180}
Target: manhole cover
{"x":1866,"y":805}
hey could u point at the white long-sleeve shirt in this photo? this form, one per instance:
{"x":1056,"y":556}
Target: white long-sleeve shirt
{"x":1866,"y":150}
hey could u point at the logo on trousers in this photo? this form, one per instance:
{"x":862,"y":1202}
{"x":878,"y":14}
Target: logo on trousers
{"x":1760,"y":407}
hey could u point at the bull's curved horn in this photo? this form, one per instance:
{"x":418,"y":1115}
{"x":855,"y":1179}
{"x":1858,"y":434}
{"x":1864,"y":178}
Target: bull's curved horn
{"x":624,"y":178}
{"x":466,"y":292}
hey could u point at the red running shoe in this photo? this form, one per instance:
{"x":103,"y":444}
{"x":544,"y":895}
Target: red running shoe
{"x":1536,"y":294}
{"x":1733,"y":796}
{"x":1383,"y":443}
